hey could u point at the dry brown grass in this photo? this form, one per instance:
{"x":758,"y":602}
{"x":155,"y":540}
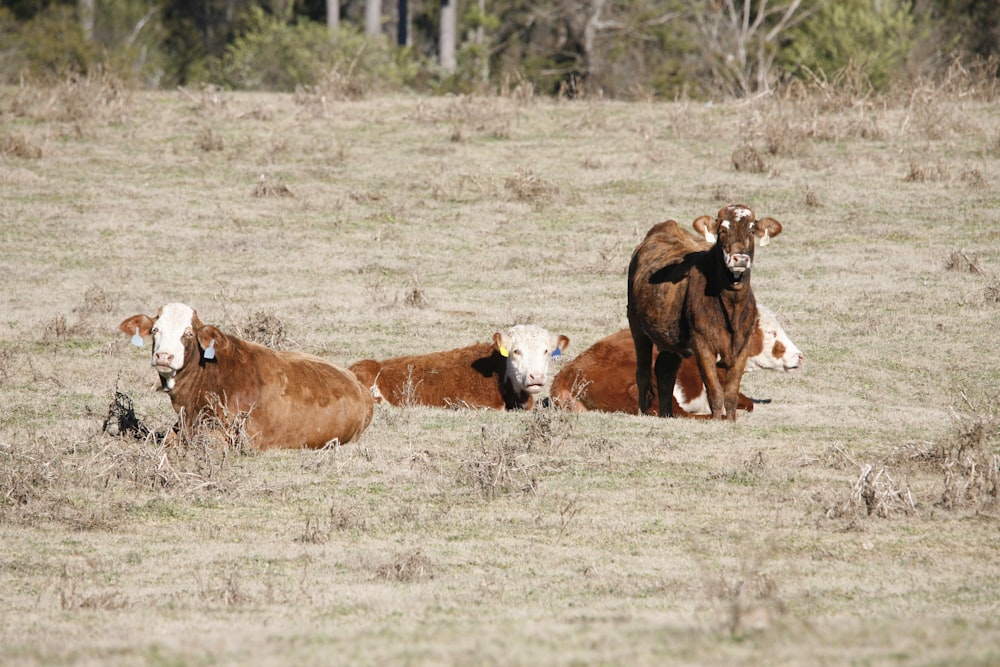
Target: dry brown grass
{"x":468,"y":536}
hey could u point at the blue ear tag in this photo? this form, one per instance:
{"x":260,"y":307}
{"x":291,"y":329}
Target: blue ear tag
{"x":210,"y":350}
{"x":137,"y":339}
{"x":556,"y":353}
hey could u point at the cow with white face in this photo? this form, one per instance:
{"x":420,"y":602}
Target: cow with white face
{"x":172,"y":329}
{"x":291,"y":400}
{"x":776,"y":350}
{"x":505,"y":374}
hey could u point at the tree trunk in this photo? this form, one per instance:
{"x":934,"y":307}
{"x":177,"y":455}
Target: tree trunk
{"x":332,"y":14}
{"x":373,"y":17}
{"x":87,"y":19}
{"x":448,"y":29}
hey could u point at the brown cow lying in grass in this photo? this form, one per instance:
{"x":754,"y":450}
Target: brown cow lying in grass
{"x":504,"y":374}
{"x":290,"y":400}
{"x":602,"y":377}
{"x":691,"y":300}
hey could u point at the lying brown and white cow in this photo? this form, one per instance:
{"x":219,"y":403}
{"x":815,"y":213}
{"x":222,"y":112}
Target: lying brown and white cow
{"x":504,"y":374}
{"x":602,"y":377}
{"x":691,"y":300}
{"x":292,"y":400}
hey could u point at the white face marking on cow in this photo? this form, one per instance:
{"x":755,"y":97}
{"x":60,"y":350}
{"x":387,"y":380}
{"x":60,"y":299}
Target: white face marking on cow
{"x":172,"y":324}
{"x":791,"y":357}
{"x":740,"y":212}
{"x":725,"y":224}
{"x":529,"y":349}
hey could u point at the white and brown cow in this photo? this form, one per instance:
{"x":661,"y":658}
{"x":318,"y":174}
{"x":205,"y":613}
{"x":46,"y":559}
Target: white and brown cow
{"x":291,"y":400}
{"x":602,"y":377}
{"x":506,"y":373}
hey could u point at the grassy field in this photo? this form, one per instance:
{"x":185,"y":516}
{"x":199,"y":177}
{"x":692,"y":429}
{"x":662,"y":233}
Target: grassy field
{"x":853,"y":519}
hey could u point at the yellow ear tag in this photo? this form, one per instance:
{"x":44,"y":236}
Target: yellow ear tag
{"x":503,"y":351}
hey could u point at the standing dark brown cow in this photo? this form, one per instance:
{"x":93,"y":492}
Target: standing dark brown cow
{"x":689,"y":298}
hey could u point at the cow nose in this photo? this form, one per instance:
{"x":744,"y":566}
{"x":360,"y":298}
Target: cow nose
{"x":741,"y":260}
{"x":163,"y":358}
{"x":536,"y":378}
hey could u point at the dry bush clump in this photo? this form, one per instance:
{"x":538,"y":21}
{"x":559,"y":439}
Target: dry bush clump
{"x":501,"y":465}
{"x":525,"y":186}
{"x":746,"y":158}
{"x":341,"y":517}
{"x":18,"y":145}
{"x":971,"y":460}
{"x":121,"y":419}
{"x":208,"y":140}
{"x":405,"y":567}
{"x":266,"y":329}
{"x":991,"y":293}
{"x":265,"y":189}
{"x":974,"y":179}
{"x":875,"y":493}
{"x":97,"y":95}
{"x":961,"y":262}
{"x":747,"y":601}
{"x":922,"y":171}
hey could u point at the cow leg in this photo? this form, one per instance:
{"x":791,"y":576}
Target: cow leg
{"x":714,"y":388}
{"x":643,"y":369}
{"x":732,"y":385}
{"x":666,"y":367}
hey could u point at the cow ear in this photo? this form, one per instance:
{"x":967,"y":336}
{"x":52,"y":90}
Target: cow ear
{"x":767,"y":229}
{"x":501,"y":344}
{"x":211,"y":341}
{"x":137,"y":325}
{"x":706,"y":226}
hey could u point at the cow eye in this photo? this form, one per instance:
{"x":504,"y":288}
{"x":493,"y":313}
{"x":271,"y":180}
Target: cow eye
{"x":154,"y":330}
{"x":516,"y":353}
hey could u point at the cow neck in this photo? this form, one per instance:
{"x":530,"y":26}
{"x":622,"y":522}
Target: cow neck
{"x":196,"y":378}
{"x":734,"y":297}
{"x":514,"y":400}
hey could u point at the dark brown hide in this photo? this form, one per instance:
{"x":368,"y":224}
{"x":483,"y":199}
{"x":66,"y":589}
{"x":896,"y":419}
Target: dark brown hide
{"x":692,"y":298}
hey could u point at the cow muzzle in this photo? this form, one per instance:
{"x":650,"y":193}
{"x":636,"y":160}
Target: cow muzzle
{"x":739,"y":263}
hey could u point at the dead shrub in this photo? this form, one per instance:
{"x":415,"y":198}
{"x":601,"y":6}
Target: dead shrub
{"x":121,"y":419}
{"x":922,"y":171}
{"x":264,"y":189}
{"x":974,"y":179}
{"x":318,"y":530}
{"x":499,"y":467}
{"x":961,"y":262}
{"x":19,"y":146}
{"x":991,"y":293}
{"x":748,"y":601}
{"x":208,"y":140}
{"x":875,"y":493}
{"x":544,"y":428}
{"x":266,"y":329}
{"x":812,"y":199}
{"x":527,"y":187}
{"x":99,"y":94}
{"x":405,"y":567}
{"x":971,"y":460}
{"x":746,"y":158}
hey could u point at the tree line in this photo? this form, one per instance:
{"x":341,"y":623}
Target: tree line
{"x":626,"y":49}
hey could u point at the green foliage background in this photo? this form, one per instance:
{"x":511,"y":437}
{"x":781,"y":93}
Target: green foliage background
{"x":629,"y":49}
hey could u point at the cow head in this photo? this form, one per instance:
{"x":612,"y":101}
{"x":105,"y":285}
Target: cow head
{"x":528,"y":349}
{"x":733,"y":231}
{"x":778,"y":352}
{"x":177,"y":335}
